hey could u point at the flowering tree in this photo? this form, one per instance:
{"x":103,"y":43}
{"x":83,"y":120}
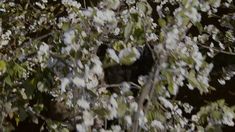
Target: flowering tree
{"x":60,"y":61}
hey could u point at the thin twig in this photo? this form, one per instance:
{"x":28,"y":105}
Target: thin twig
{"x":25,"y":44}
{"x":84,"y":1}
{"x":61,"y":59}
{"x":152,"y":52}
{"x":136,"y":85}
{"x":217,"y":50}
{"x":118,"y":85}
{"x":110,"y":85}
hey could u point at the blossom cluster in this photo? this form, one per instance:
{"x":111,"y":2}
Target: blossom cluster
{"x":50,"y":48}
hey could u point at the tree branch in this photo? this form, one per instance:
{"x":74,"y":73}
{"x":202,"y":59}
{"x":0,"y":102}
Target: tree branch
{"x":144,"y":94}
{"x":215,"y":49}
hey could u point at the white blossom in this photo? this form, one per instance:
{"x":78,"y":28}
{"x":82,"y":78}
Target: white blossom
{"x":128,"y":120}
{"x":130,"y":54}
{"x":114,"y":4}
{"x":83,"y":33}
{"x":157,"y":124}
{"x":190,"y":86}
{"x":151,"y":37}
{"x":113,"y":102}
{"x":133,"y":106}
{"x":92,"y":82}
{"x":88,"y":118}
{"x":112,"y":107}
{"x":97,"y":68}
{"x":222,"y":81}
{"x":113,"y":55}
{"x":168,"y":115}
{"x":42,"y":20}
{"x":41,"y":5}
{"x":79,"y":82}
{"x":203,"y":38}
{"x":205,"y":6}
{"x":211,"y":29}
{"x":221,"y":45}
{"x":80,"y":128}
{"x":193,"y":15}
{"x":73,"y":3}
{"x":106,"y":16}
{"x":116,"y":128}
{"x":102,"y":130}
{"x":88,"y":12}
{"x":142,"y":80}
{"x":80,"y":65}
{"x":69,"y":37}
{"x":130,"y":1}
{"x":216,"y":3}
{"x":125,"y":87}
{"x":5,"y":38}
{"x":142,"y":119}
{"x":166,"y":103}
{"x":195,"y":118}
{"x":79,"y":75}
{"x":116,"y":31}
{"x":83,"y":103}
{"x":172,"y":39}
{"x":187,"y":108}
{"x":228,"y":119}
{"x":43,"y":49}
{"x":64,"y":83}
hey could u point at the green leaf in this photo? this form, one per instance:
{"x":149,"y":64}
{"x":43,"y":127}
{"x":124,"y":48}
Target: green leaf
{"x":8,"y":81}
{"x":159,"y":87}
{"x":229,"y":36}
{"x":187,"y":59}
{"x":142,"y":6}
{"x":128,"y":30}
{"x":171,"y":88}
{"x":65,"y":130}
{"x":102,"y":112}
{"x":128,"y":56}
{"x":192,"y":79}
{"x":145,"y":7}
{"x":19,"y":70}
{"x":213,"y":128}
{"x":161,"y":22}
{"x":23,"y":94}
{"x":17,"y":120}
{"x":170,"y":81}
{"x":2,"y":66}
{"x":195,"y":83}
{"x":118,"y":46}
{"x":35,"y":119}
{"x":184,"y":2}
{"x":38,"y":108}
{"x":122,"y":107}
{"x":199,"y":27}
{"x":138,"y":33}
{"x":216,"y":115}
{"x":41,"y":86}
{"x":65,"y":26}
{"x":150,"y":115}
{"x":22,"y":114}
